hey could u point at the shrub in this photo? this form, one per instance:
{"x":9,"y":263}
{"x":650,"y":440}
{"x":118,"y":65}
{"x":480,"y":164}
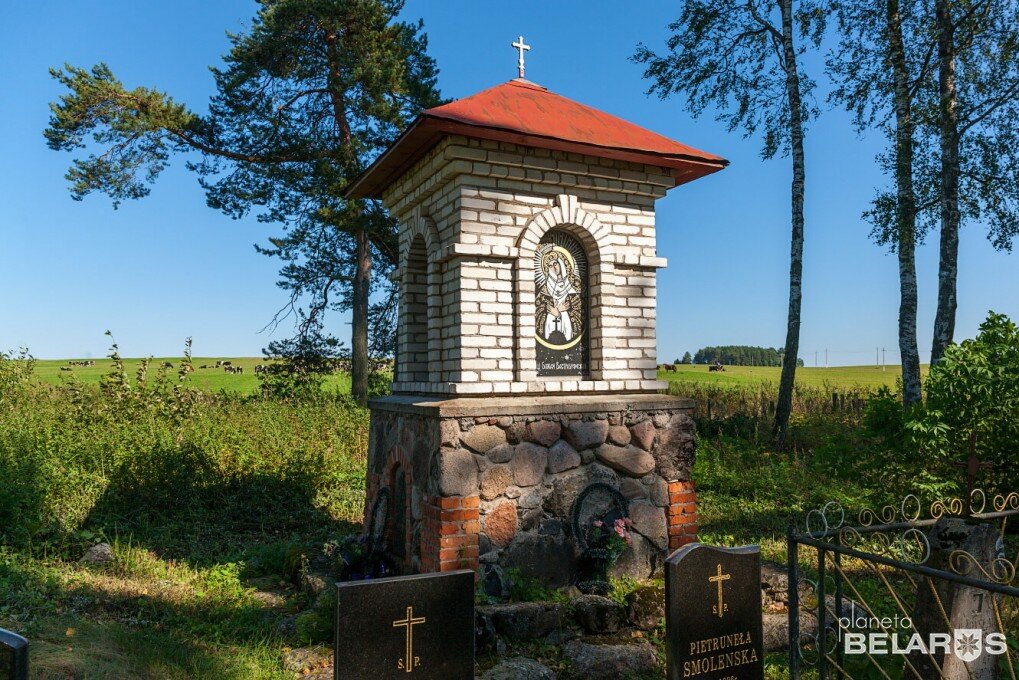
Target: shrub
{"x":973,"y":399}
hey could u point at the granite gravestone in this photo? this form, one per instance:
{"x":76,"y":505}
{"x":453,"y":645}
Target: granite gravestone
{"x":713,"y":613}
{"x":417,"y":627}
{"x":13,"y":656}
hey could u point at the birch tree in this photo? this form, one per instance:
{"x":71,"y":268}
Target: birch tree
{"x":974,"y":114}
{"x":741,"y":59}
{"x":878,"y":77}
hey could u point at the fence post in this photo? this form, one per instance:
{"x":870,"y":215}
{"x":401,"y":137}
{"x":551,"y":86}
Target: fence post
{"x":839,"y":651}
{"x":822,"y":616}
{"x":792,"y":552}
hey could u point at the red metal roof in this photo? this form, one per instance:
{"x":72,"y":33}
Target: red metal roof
{"x":524,"y":113}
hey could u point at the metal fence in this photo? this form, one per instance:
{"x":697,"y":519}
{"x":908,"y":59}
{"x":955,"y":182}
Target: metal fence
{"x":900,"y":595}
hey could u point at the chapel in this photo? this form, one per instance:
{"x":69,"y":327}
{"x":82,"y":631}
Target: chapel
{"x":526,"y":368}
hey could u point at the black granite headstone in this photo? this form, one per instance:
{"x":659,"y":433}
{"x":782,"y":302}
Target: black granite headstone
{"x":417,"y":627}
{"x":713,"y":613}
{"x":13,"y":656}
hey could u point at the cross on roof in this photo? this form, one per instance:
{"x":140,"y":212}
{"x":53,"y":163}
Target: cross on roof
{"x":521,"y":48}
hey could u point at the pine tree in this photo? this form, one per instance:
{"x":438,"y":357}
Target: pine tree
{"x":305,"y":99}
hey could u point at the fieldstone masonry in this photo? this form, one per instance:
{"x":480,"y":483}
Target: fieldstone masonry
{"x":526,"y":361}
{"x":493,"y":481}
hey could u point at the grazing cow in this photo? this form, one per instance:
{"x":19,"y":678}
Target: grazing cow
{"x":203,"y":366}
{"x":670,"y":368}
{"x":167,"y":364}
{"x":65,"y":368}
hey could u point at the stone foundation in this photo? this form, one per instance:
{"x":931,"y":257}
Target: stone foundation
{"x":492,"y":481}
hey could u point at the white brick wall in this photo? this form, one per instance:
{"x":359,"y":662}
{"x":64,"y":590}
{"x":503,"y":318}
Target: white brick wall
{"x":475,"y":211}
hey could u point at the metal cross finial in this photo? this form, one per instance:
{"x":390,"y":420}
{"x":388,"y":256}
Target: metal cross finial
{"x":521,"y":48}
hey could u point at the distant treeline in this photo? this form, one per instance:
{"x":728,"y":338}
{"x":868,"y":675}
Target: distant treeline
{"x":739,"y":355}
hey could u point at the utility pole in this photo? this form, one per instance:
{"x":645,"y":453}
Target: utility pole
{"x":877,"y":356}
{"x":826,"y":357}
{"x":815,"y":358}
{"x":882,"y":359}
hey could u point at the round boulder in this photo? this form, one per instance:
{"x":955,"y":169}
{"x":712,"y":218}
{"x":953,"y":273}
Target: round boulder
{"x":629,"y":460}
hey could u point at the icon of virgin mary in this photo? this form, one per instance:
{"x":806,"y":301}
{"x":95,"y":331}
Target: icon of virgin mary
{"x":559,"y":307}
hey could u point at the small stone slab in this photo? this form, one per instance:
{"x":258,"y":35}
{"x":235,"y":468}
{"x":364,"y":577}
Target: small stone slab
{"x":524,"y":620}
{"x":390,"y":627}
{"x":713,"y":613}
{"x":610,"y":662}
{"x":519,"y":668}
{"x":645,"y":607}
{"x":598,"y":615}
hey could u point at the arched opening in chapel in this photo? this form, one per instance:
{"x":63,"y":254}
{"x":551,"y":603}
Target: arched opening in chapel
{"x":398,"y":515}
{"x":414,"y":343}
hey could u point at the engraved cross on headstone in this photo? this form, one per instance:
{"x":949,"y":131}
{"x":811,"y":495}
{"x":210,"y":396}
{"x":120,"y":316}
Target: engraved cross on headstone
{"x":521,"y":48}
{"x":718,"y":578}
{"x":409,"y":660}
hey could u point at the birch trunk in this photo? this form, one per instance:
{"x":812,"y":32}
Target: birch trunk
{"x":792,"y":341}
{"x":906,"y":208}
{"x":948,"y":267}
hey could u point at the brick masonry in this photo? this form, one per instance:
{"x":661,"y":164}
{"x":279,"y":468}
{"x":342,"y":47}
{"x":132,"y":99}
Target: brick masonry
{"x":493,"y":481}
{"x":472,"y":213}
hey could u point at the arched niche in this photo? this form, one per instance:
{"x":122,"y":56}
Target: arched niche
{"x":413,"y":340}
{"x":565,"y":216}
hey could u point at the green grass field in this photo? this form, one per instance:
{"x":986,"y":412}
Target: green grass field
{"x":210,"y":378}
{"x":216,"y":379}
{"x":836,"y":376}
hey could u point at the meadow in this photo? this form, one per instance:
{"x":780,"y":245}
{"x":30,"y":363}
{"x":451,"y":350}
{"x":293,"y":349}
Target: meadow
{"x":854,"y":377}
{"x":213,"y":496}
{"x":210,"y":378}
{"x":215,"y":379}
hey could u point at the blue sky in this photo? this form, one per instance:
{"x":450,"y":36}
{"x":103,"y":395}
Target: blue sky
{"x":165,"y":267}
